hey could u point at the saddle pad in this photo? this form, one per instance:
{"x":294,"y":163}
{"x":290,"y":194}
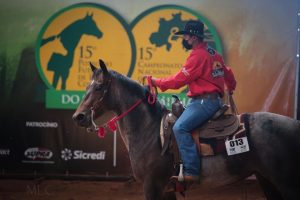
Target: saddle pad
{"x":220,"y":128}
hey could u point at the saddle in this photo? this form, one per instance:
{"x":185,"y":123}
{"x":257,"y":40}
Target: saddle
{"x":209,"y":138}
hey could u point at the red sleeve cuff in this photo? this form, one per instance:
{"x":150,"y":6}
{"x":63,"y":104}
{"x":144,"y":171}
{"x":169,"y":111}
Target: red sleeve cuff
{"x":158,"y":84}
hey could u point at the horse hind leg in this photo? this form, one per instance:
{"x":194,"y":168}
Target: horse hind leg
{"x":270,"y":191}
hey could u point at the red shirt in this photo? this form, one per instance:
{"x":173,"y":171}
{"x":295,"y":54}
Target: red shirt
{"x":204,"y":72}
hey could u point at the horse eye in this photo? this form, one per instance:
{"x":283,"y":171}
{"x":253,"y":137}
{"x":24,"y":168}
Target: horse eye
{"x":98,"y":87}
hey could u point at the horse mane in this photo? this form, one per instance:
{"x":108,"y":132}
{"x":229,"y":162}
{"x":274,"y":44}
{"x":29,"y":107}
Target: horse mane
{"x":133,"y":87}
{"x":136,"y":89}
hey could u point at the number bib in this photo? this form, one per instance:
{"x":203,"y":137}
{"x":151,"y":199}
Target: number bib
{"x":237,"y":146}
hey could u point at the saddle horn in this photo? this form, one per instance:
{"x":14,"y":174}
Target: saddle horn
{"x":103,"y":67}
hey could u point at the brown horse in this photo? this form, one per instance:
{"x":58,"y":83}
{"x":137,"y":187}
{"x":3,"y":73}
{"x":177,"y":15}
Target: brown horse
{"x":274,"y":141}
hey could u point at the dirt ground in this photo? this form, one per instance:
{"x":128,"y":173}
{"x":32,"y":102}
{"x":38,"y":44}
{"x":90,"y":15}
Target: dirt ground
{"x":100,"y":190}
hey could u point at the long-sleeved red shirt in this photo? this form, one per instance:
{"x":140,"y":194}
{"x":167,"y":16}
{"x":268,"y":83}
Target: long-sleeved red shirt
{"x":204,"y":72}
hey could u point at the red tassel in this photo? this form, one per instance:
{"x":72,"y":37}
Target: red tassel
{"x":112,"y":125}
{"x":101,"y":132}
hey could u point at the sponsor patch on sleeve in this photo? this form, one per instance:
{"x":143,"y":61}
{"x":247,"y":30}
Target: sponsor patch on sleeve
{"x":185,"y":72}
{"x":211,"y":51}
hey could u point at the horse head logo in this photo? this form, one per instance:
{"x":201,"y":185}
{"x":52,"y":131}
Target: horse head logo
{"x":89,"y":25}
{"x":70,"y":37}
{"x":166,"y":31}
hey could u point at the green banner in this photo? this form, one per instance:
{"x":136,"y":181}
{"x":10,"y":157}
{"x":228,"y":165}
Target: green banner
{"x":71,"y":99}
{"x":63,"y":99}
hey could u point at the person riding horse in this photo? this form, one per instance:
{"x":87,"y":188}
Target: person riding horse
{"x":206,"y":75}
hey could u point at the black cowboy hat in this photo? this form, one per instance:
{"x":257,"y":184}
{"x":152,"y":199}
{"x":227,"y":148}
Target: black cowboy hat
{"x":193,"y":27}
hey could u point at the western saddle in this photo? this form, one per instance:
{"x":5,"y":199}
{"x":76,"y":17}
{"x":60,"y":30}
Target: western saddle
{"x":210,"y":137}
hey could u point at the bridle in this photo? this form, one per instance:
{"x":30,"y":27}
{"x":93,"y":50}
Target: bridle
{"x":105,"y":90}
{"x":112,"y":123}
{"x":96,"y":105}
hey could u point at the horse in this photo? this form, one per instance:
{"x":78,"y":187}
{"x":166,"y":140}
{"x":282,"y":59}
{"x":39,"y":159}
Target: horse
{"x":274,"y":141}
{"x":55,"y":46}
{"x":70,"y":38}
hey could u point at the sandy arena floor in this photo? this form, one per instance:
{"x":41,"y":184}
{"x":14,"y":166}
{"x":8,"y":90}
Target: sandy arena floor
{"x":92,"y":190}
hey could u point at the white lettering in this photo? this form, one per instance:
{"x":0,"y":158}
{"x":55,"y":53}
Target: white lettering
{"x":80,"y":155}
{"x":42,"y":124}
{"x":73,"y":99}
{"x":4,"y":152}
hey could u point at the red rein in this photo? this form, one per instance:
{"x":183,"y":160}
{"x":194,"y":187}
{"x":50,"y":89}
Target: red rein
{"x":112,"y":123}
{"x":152,"y":95}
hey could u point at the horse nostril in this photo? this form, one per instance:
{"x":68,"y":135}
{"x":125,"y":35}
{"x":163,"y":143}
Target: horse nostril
{"x":79,"y":117}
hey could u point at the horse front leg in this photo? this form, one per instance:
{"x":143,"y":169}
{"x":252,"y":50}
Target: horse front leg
{"x":154,"y":190}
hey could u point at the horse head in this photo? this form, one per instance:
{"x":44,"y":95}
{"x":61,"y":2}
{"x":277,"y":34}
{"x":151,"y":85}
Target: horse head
{"x":96,"y":99}
{"x":109,"y":91}
{"x":58,"y":46}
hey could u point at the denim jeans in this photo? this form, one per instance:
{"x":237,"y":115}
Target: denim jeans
{"x":196,"y":113}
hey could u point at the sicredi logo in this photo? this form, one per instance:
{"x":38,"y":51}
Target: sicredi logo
{"x":86,"y":32}
{"x":67,"y":154}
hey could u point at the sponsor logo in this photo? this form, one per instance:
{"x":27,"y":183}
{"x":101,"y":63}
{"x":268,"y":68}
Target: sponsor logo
{"x":38,"y":155}
{"x":4,"y":152}
{"x":217,"y":70}
{"x":67,"y":154}
{"x":63,"y":57}
{"x":41,"y":124}
{"x":160,"y":53}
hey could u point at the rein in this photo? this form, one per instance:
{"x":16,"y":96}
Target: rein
{"x":153,"y":91}
{"x":112,"y":123}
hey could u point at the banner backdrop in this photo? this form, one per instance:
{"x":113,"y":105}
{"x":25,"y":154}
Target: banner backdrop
{"x":46,"y":47}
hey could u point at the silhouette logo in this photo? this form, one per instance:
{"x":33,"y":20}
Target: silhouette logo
{"x":159,"y":52}
{"x":166,"y":29}
{"x":74,"y":37}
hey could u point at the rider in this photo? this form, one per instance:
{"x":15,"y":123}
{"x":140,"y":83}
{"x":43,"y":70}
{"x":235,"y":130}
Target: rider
{"x":206,"y":75}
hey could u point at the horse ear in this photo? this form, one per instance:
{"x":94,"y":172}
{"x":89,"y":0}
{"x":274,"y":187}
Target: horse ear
{"x":93,"y":68}
{"x":103,"y":67}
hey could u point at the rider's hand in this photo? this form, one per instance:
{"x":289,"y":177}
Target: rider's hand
{"x":152,"y":79}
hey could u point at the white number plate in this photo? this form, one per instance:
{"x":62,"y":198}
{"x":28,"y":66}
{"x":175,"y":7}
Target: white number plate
{"x":237,"y":146}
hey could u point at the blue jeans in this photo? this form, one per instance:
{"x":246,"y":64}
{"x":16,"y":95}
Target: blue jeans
{"x":196,"y":113}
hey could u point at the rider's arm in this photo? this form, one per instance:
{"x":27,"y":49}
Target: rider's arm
{"x":190,"y":71}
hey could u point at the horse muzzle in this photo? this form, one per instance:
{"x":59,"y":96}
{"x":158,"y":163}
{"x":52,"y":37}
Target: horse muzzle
{"x":82,"y":119}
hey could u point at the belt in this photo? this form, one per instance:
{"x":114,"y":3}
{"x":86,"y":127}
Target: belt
{"x":212,"y":96}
